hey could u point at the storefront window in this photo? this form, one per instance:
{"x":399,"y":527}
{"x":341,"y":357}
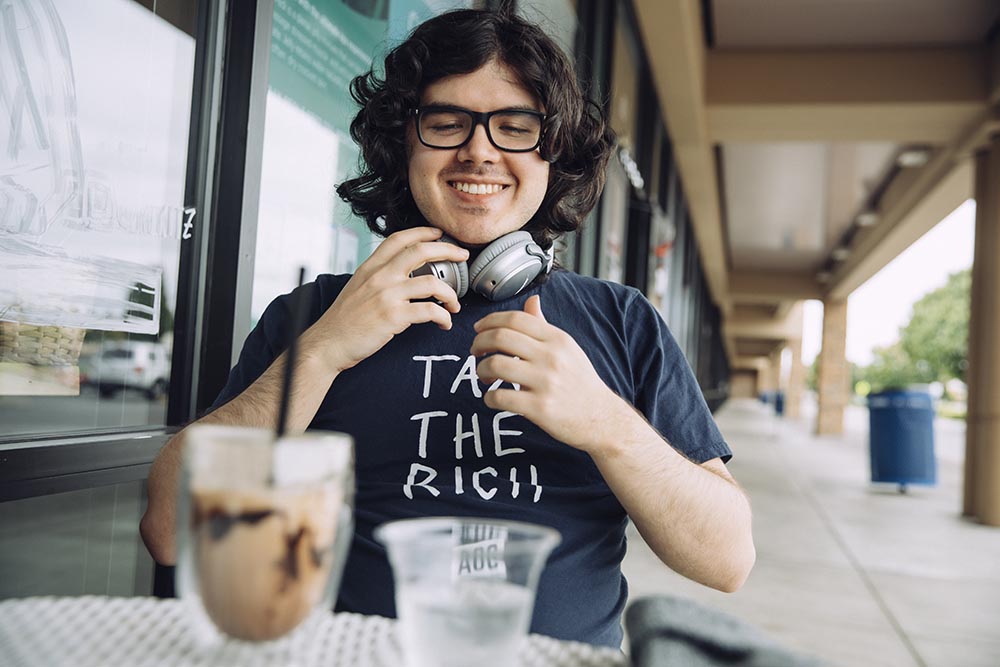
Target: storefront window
{"x":95,"y":105}
{"x":624,"y":99}
{"x":557,"y":18}
{"x":317,"y":47}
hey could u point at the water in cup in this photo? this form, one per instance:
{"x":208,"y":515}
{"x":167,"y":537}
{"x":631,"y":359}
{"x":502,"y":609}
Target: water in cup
{"x":465,"y":587}
{"x":477,"y":622}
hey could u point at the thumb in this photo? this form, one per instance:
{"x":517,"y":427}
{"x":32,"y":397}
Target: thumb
{"x":533,"y":306}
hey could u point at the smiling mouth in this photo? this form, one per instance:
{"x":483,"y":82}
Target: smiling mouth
{"x":478,"y":188}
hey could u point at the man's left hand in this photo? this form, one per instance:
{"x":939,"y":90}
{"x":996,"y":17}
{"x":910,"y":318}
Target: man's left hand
{"x":559,"y":389}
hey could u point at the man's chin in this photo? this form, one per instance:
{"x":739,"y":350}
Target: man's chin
{"x":472,"y":239}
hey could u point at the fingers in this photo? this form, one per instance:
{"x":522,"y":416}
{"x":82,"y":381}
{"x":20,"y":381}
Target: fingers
{"x":511,"y":370}
{"x":511,"y":400}
{"x":431,"y":287}
{"x":403,"y":242}
{"x":412,"y":248}
{"x":415,"y":255}
{"x":393,"y":243}
{"x":425,"y":311}
{"x":506,"y":341}
{"x":526,"y":323}
{"x":533,"y":306}
{"x":387,"y":271}
{"x":407,"y":237}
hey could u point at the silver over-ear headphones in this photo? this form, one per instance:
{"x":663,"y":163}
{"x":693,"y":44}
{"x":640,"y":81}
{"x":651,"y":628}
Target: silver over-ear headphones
{"x":502,"y":269}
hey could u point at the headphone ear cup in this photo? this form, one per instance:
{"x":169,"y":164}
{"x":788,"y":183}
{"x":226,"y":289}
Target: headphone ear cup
{"x":503,"y":267}
{"x":494,"y":250}
{"x":461,"y":277}
{"x":455,"y":274}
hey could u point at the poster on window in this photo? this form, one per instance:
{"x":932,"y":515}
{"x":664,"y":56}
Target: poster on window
{"x":94,"y":109}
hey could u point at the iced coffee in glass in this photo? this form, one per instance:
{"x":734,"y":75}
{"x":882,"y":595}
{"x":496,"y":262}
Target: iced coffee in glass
{"x":263,"y":528}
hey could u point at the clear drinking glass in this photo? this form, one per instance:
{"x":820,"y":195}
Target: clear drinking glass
{"x":465,"y":587}
{"x":263,"y":529}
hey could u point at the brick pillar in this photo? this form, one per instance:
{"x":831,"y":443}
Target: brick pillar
{"x":796,"y":380}
{"x":982,"y":480}
{"x":833,"y":374}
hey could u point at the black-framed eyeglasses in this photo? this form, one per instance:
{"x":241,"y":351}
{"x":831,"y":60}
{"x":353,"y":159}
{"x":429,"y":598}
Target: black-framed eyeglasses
{"x":510,"y":130}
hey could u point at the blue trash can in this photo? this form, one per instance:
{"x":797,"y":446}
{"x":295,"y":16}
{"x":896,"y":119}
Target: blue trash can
{"x":902,"y":437}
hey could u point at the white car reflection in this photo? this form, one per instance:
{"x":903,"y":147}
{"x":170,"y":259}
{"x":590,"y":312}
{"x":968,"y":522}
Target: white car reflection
{"x":138,"y":365}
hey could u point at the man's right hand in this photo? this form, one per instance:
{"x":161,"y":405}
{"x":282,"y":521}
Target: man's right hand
{"x":376,"y":304}
{"x":381,"y":299}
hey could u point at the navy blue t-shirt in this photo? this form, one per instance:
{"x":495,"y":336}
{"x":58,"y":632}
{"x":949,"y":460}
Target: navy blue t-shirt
{"x":427,"y":445}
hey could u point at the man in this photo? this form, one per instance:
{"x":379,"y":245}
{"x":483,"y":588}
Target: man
{"x":565,"y":402}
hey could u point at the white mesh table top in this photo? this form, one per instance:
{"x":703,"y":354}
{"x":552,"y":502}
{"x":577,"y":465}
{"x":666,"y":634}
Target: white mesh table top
{"x":111,"y":632}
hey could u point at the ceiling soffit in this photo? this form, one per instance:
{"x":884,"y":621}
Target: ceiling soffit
{"x":745,"y":311}
{"x":788,"y":204}
{"x":810,"y":131}
{"x":904,"y":95}
{"x":757,"y":347}
{"x":851,"y":23}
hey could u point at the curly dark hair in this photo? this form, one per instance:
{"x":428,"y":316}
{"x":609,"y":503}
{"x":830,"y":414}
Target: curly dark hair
{"x":577,"y":141}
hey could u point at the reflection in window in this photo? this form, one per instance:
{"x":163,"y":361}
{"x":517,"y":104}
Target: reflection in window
{"x":307,"y":144}
{"x":94,"y":112}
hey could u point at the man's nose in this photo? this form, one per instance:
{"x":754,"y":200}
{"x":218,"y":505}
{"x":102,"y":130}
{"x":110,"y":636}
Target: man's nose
{"x":479,"y":149}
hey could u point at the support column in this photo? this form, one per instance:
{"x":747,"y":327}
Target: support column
{"x":796,"y":380}
{"x":983,"y":421}
{"x":765,"y":376}
{"x":833,"y":372}
{"x":974,"y":353}
{"x":774,"y":361}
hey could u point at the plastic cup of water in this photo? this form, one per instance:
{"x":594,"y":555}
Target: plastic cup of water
{"x":465,"y":587}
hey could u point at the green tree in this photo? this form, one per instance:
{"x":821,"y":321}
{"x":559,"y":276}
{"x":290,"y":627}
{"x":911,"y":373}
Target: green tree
{"x":892,"y":368}
{"x":936,"y":337}
{"x":932,"y":346}
{"x":812,"y":376}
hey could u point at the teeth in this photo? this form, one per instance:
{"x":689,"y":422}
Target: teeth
{"x":478,"y":188}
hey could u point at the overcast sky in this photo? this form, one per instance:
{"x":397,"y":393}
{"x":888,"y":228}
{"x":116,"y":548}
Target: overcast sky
{"x":877,"y":309}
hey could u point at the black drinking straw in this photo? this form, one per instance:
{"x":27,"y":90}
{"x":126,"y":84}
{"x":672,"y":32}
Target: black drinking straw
{"x":298,"y":324}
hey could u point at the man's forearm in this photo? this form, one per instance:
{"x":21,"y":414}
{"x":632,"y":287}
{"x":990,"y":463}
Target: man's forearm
{"x":258,"y":406}
{"x":696,"y":519}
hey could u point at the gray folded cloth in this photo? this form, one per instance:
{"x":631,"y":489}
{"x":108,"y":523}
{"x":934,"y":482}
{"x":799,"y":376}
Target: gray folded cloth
{"x":667,"y":631}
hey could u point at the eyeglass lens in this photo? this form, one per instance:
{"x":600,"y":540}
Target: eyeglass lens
{"x":509,"y":130}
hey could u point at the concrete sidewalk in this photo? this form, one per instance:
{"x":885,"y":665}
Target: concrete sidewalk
{"x":850,"y":571}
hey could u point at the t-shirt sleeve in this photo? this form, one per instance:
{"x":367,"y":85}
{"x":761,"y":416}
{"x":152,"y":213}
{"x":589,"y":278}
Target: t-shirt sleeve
{"x":666,"y":390}
{"x":272,"y":334}
{"x":261,"y":348}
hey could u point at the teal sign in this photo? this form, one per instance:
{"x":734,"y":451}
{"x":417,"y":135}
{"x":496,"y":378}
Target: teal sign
{"x":319,"y":46}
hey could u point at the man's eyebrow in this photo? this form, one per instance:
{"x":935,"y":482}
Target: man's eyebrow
{"x":510,"y":107}
{"x":520,"y":107}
